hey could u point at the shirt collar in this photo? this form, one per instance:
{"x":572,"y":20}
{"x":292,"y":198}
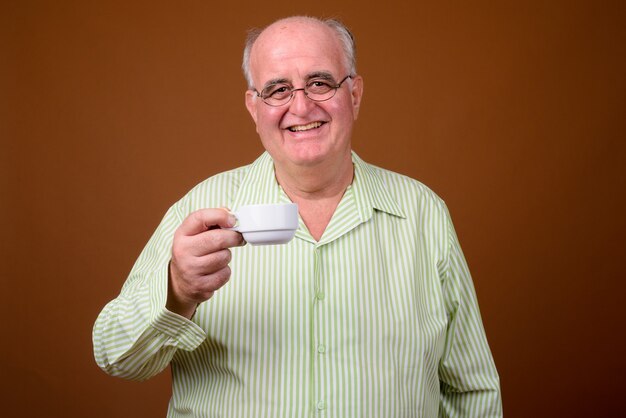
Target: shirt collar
{"x":259,"y":186}
{"x":371,"y":191}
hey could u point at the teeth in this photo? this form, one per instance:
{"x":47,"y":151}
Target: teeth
{"x":300,"y":128}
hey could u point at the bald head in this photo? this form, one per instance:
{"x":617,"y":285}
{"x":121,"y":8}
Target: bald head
{"x":299,"y":26}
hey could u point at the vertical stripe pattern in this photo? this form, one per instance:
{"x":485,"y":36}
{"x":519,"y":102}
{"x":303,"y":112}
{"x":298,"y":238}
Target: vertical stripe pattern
{"x":379,"y":318}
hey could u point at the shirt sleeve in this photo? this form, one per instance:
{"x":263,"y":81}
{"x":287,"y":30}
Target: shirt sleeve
{"x":469,"y":382}
{"x":135,"y":336}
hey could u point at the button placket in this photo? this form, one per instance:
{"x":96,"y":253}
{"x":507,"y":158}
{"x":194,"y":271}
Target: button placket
{"x":319,"y":346}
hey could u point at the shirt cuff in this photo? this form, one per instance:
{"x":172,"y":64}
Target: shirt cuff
{"x":183,"y":333}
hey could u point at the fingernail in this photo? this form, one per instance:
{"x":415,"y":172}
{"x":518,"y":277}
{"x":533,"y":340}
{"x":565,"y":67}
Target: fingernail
{"x":232,"y":219}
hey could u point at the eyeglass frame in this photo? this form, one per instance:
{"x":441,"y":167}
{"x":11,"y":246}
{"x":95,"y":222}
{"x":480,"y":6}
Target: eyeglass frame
{"x":303,"y":89}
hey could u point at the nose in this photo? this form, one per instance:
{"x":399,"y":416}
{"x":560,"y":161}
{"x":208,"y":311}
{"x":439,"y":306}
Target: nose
{"x":300,"y":104}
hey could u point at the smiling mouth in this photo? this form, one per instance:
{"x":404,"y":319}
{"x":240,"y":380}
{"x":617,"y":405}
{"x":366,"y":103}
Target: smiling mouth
{"x":307,"y":127}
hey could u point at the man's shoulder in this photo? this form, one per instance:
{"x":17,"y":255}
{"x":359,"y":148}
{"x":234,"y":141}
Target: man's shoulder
{"x":404,"y":189}
{"x":217,"y":190}
{"x":229,"y":177}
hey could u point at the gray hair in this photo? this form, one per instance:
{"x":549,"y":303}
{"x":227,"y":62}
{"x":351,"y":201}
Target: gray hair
{"x":343,"y":33}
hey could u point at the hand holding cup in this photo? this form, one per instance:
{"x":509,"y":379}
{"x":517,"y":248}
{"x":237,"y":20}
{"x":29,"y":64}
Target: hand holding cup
{"x":200,"y":257}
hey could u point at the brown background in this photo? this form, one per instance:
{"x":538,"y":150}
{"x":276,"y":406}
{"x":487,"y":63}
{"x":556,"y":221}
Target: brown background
{"x":513,"y":112}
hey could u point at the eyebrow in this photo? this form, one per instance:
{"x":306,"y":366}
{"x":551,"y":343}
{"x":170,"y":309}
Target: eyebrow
{"x":275,"y":81}
{"x":324,"y":75}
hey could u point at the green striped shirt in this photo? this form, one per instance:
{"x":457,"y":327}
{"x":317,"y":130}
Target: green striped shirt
{"x":377,"y":319}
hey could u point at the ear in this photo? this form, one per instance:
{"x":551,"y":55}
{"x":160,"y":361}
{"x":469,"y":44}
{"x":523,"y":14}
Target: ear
{"x":357,"y":94}
{"x":251,"y":104}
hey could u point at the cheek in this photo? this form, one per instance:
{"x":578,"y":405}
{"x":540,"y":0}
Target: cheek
{"x":343,"y":108}
{"x":268,"y":126}
{"x":269,"y":119}
{"x":343,"y":113}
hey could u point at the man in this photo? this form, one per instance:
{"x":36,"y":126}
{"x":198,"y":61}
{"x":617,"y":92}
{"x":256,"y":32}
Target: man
{"x":368,"y":311}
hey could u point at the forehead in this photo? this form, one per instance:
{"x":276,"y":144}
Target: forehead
{"x":294,"y":49}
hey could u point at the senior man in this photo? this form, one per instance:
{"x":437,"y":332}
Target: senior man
{"x":369,"y":311}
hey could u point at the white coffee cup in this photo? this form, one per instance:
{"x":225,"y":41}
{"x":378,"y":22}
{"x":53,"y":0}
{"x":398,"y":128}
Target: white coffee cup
{"x":267,"y":224}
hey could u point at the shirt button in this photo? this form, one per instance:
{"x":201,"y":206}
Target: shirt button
{"x":321,"y":405}
{"x":321,"y":348}
{"x":320,"y":296}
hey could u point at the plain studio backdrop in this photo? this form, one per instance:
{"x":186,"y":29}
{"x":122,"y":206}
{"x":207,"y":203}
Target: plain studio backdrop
{"x":513,"y":112}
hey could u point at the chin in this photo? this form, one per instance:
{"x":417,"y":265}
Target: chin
{"x":305,"y":153}
{"x":309,"y":157}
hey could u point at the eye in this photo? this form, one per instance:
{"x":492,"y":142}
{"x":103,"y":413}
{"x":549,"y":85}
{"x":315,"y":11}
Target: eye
{"x":276,"y":91}
{"x":319,"y":86}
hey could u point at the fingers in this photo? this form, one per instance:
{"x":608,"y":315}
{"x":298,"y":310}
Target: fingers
{"x":205,"y":243}
{"x":201,"y":234}
{"x":200,"y":257}
{"x":199,"y":267}
{"x":204,"y":219}
{"x":203,"y":288}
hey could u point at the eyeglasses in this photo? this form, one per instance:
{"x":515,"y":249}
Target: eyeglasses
{"x":316,"y":89}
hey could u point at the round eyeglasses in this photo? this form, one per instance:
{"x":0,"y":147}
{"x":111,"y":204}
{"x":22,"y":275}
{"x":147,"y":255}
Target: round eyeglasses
{"x":316,"y":89}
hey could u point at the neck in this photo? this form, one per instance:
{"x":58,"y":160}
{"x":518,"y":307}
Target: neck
{"x":317,"y":191}
{"x":322,"y":181}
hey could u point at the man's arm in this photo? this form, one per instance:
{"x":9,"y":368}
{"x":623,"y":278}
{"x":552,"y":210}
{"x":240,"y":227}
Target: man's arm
{"x":137,"y":334}
{"x":469,"y":381}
